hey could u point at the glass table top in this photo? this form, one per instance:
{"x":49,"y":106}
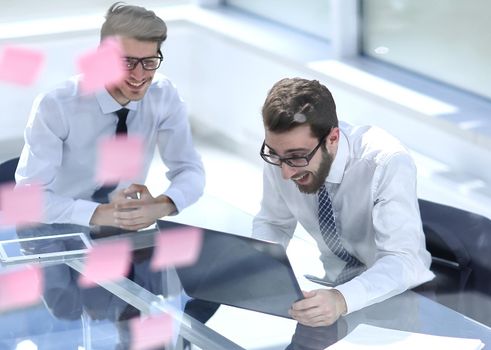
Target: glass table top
{"x":70,"y":316}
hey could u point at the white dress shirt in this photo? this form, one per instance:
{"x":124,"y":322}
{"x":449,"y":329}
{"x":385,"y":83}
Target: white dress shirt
{"x":372,"y":184}
{"x":63,"y":132}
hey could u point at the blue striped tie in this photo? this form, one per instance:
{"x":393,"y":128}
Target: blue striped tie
{"x":330,"y":235}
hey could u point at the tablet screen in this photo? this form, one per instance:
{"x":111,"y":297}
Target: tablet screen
{"x":42,"y":247}
{"x":240,"y":271}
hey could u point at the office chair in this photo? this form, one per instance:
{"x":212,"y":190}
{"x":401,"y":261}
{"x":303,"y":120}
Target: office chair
{"x":7,"y":170}
{"x":460,"y":244}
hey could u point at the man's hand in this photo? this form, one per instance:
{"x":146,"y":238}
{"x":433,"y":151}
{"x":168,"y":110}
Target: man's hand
{"x":132,"y":209}
{"x":321,"y":307}
{"x":136,"y":208}
{"x":103,"y":215}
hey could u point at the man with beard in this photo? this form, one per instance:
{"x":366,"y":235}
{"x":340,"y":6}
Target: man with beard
{"x":354,"y":191}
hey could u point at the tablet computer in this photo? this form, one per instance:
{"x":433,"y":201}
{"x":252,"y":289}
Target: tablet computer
{"x":41,"y":247}
{"x":240,"y":271}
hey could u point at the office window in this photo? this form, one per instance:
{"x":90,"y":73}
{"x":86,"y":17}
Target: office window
{"x":309,"y":16}
{"x":448,"y":40}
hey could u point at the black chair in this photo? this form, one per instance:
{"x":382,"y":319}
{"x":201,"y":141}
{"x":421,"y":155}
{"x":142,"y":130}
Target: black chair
{"x":460,"y":244}
{"x":7,"y":170}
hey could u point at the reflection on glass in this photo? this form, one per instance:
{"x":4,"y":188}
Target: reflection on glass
{"x":43,"y":247}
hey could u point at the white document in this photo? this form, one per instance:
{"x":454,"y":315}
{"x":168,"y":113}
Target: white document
{"x":365,"y":337}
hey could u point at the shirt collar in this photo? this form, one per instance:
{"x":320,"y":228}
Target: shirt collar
{"x":340,"y":159}
{"x":109,"y":105}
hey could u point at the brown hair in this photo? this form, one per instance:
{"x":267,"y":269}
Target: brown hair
{"x":293,"y":102}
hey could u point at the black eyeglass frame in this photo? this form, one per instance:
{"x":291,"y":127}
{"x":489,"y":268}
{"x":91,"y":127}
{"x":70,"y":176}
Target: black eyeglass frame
{"x":288,"y":160}
{"x":136,"y":60}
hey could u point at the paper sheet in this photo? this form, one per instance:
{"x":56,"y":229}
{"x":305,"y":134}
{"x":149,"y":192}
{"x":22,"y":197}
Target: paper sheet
{"x":102,"y":67}
{"x":365,"y":337}
{"x":119,"y":159}
{"x":177,"y":247}
{"x":21,"y":287}
{"x":20,"y":65}
{"x":106,"y":262}
{"x":22,"y":205}
{"x":150,"y":332}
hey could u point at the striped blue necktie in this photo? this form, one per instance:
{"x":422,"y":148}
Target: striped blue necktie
{"x":330,"y":235}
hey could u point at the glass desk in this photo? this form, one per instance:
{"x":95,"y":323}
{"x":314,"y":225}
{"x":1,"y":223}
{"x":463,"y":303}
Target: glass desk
{"x":70,"y":317}
{"x":97,"y":318}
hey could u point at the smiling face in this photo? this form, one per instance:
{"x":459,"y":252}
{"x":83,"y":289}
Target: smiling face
{"x":300,"y":142}
{"x":137,"y":81}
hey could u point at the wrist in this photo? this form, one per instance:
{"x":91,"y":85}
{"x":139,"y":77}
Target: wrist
{"x":168,"y":206}
{"x":340,"y":302}
{"x":99,"y":217}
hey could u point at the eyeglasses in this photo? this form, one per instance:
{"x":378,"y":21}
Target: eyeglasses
{"x":148,"y":63}
{"x":296,"y":161}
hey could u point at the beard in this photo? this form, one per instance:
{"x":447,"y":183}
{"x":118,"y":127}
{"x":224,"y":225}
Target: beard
{"x":320,"y":175}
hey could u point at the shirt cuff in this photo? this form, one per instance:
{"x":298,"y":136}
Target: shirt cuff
{"x":354,"y":294}
{"x":83,"y":211}
{"x":176,"y":197}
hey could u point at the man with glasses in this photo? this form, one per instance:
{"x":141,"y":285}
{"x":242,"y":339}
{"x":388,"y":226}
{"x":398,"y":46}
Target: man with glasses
{"x":60,"y":152}
{"x":353,"y":189}
{"x":65,"y":126}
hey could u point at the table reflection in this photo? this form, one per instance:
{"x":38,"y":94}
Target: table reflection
{"x":66,"y":306}
{"x":315,"y":338}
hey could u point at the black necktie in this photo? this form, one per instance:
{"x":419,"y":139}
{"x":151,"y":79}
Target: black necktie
{"x":121,"y":128}
{"x":102,"y":194}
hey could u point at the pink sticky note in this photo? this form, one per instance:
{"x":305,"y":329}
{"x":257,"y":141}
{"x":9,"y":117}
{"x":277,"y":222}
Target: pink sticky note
{"x":119,"y":159}
{"x":177,"y":247}
{"x":102,"y":67}
{"x":106,"y":262}
{"x":21,"y":205}
{"x":152,"y":332}
{"x":21,"y":288}
{"x":20,"y":65}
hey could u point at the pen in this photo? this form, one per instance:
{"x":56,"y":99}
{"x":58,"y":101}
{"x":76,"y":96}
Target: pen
{"x":135,"y":195}
{"x":319,"y":280}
